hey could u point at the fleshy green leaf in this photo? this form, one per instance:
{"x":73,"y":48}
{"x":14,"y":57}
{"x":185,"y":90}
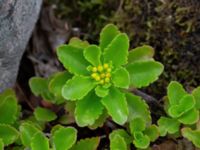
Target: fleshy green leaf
{"x":8,"y":134}
{"x":121,"y":78}
{"x":168,"y":125}
{"x":143,"y":73}
{"x":19,"y":111}
{"x":189,"y":117}
{"x":77,"y":87}
{"x":76,"y":42}
{"x":72,"y":58}
{"x":100,"y":121}
{"x":186,"y":103}
{"x":57,"y":82}
{"x":137,"y":125}
{"x":152,"y":132}
{"x":138,"y":108}
{"x":117,"y":143}
{"x":55,"y":128}
{"x":87,"y":144}
{"x":101,"y":91}
{"x":116,"y":105}
{"x":192,"y":135}
{"x":141,"y":53}
{"x":108,"y":33}
{"x":64,"y":138}
{"x":166,"y":104}
{"x":140,"y":140}
{"x":196,"y":94}
{"x":59,"y":100}
{"x":5,"y":94}
{"x":39,"y":142}
{"x":88,"y":110}
{"x":175,"y":92}
{"x":34,"y":122}
{"x":117,"y":50}
{"x":8,"y":110}
{"x":27,"y":131}
{"x":43,"y":114}
{"x":39,"y":87}
{"x":128,"y":139}
{"x":93,"y":55}
{"x":1,"y":144}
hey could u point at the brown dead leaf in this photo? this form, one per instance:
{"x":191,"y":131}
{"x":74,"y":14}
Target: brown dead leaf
{"x":49,"y":33}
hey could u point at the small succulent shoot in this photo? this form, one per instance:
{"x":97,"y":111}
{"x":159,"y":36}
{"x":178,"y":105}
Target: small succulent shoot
{"x":142,"y":132}
{"x":9,"y":109}
{"x":183,"y":111}
{"x":62,"y":138}
{"x":100,"y":72}
{"x":50,"y":88}
{"x":168,"y":125}
{"x":9,"y":114}
{"x":191,"y":135}
{"x":120,"y":139}
{"x":97,"y":81}
{"x":28,"y":134}
{"x":140,"y":135}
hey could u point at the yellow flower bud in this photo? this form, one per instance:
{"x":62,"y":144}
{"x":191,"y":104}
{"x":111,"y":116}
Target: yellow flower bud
{"x":108,"y":75}
{"x":108,"y":70}
{"x":94,"y":69}
{"x":97,"y":78}
{"x":105,"y":66}
{"x":94,"y":75}
{"x":102,"y":75}
{"x":100,"y":68}
{"x":107,"y":80}
{"x":101,"y":82}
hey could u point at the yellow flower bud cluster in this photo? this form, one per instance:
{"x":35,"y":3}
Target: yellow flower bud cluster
{"x":101,"y":73}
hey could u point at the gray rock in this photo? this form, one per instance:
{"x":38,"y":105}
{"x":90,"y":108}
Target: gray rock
{"x":17,"y":20}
